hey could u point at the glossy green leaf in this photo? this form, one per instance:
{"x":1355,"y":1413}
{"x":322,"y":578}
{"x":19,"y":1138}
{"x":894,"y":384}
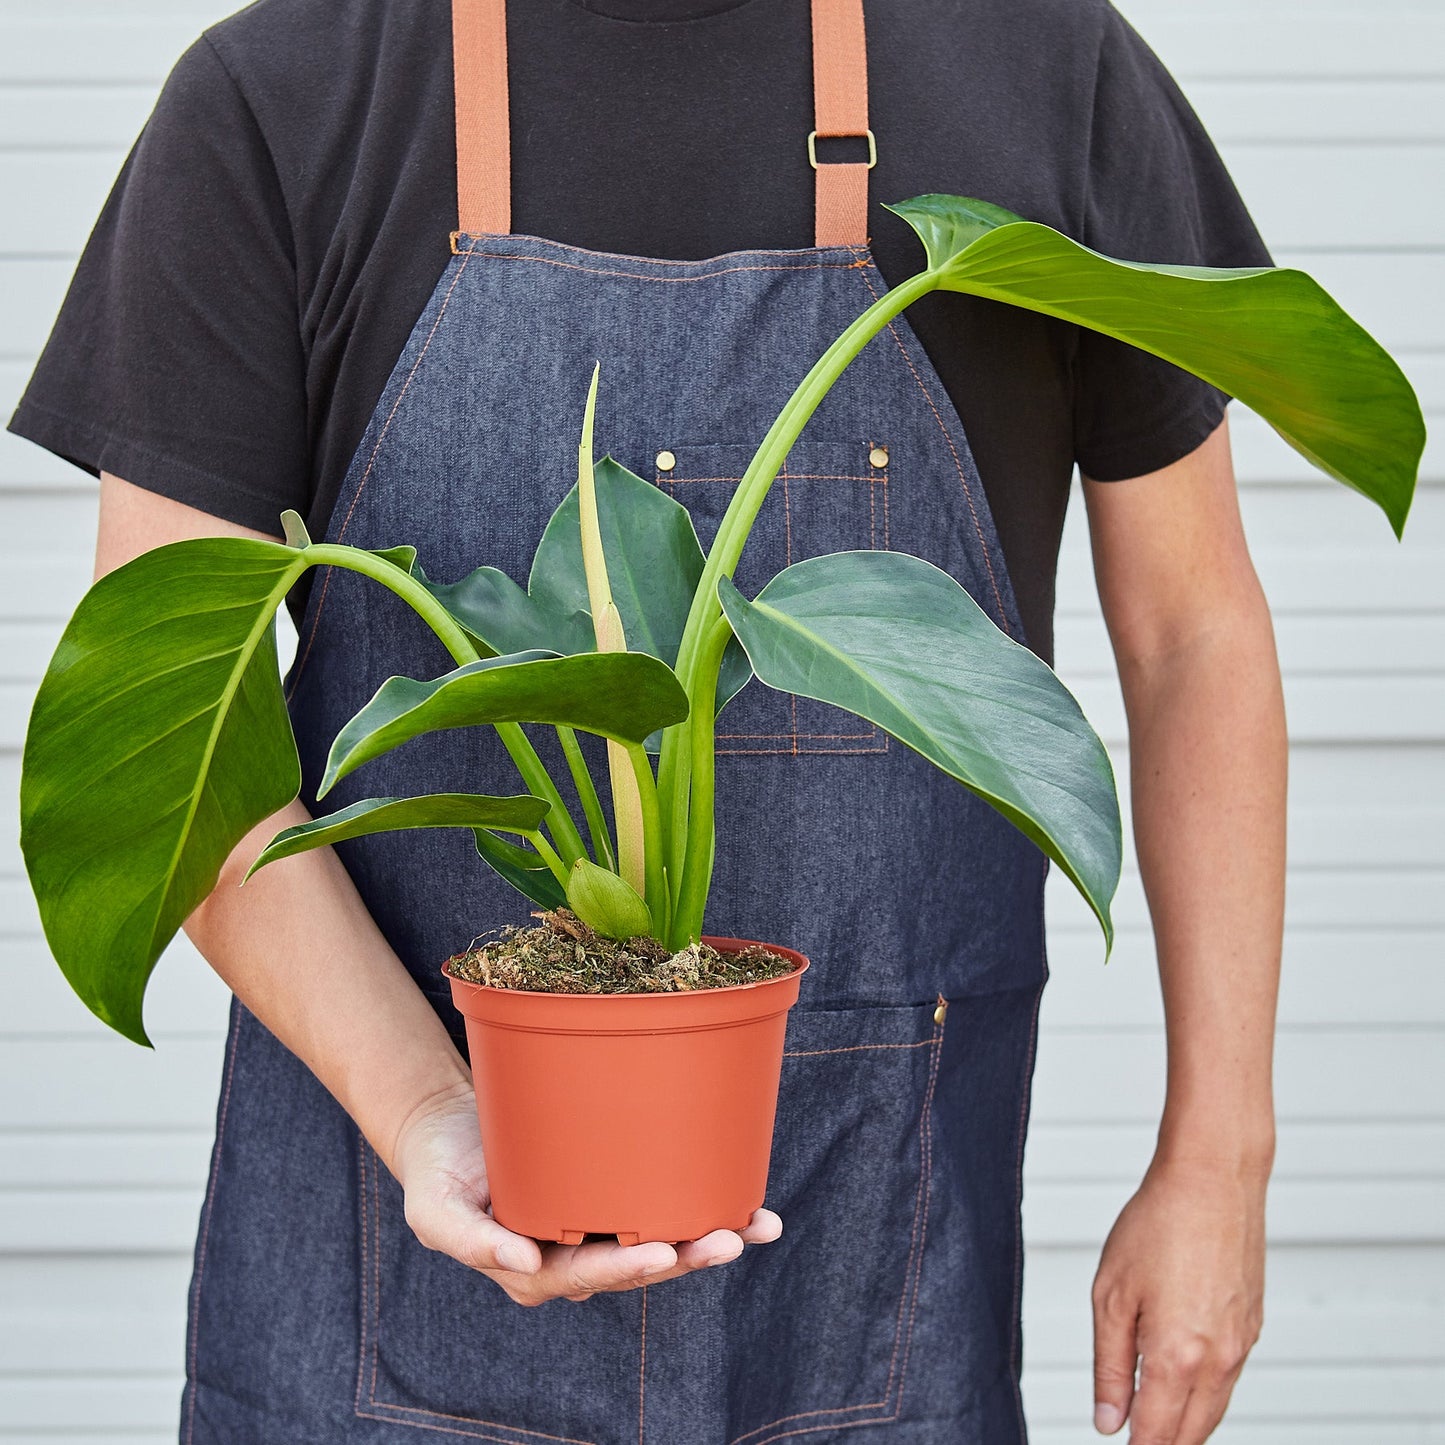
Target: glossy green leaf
{"x":159,"y":737}
{"x":620,"y":695}
{"x":654,"y":561}
{"x":504,"y":618}
{"x":606,"y":902}
{"x":1273,"y":337}
{"x":898,"y":642}
{"x":520,"y":814}
{"x":523,"y":868}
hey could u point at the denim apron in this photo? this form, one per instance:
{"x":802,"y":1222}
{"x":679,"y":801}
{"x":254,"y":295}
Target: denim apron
{"x":889,"y":1309}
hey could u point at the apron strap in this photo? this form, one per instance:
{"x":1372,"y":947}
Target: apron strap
{"x":840,"y":107}
{"x":484,"y":140}
{"x":484,"y":149}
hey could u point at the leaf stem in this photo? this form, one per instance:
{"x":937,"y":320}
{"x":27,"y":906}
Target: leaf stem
{"x":456,"y":641}
{"x":679,"y":756}
{"x":548,"y":854}
{"x":591,"y":803}
{"x":697,"y":871}
{"x":655,"y":882}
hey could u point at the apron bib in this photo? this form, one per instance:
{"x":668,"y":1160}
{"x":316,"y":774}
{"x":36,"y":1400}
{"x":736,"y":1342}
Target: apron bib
{"x":890,"y":1307}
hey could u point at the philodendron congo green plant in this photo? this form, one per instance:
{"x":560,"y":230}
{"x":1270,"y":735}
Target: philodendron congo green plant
{"x":160,"y":736}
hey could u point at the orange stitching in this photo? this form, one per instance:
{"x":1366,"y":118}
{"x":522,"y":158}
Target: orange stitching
{"x":642,"y":1370}
{"x":361,"y":1151}
{"x":206,"y":1228}
{"x":666,"y":479}
{"x":913,"y":1269}
{"x":371,"y":462}
{"x":441,"y":1429}
{"x":854,"y":1049}
{"x":1018,"y":1205}
{"x":468,"y":1420}
{"x":789,"y":752}
{"x":823,"y":737}
{"x":958,"y":464}
{"x":373,"y":1223}
{"x":376,"y":1272}
{"x":859,"y":251}
{"x":925,"y":1121}
{"x":642,"y":276}
{"x":927,"y":1197}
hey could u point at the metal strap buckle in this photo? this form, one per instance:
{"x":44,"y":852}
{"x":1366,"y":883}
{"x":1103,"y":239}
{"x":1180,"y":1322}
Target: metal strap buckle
{"x":813,"y":150}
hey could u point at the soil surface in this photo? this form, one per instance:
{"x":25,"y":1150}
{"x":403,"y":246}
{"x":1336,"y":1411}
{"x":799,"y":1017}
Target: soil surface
{"x":561,"y":954}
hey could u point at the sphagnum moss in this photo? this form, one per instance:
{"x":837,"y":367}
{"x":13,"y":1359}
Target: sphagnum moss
{"x":561,"y":954}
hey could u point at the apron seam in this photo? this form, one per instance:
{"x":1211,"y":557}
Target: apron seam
{"x":195,"y":1331}
{"x":366,"y":473}
{"x":1015,"y":1341}
{"x":670,"y":280}
{"x":913,"y":1268}
{"x":957,"y":462}
{"x":371,"y":1249}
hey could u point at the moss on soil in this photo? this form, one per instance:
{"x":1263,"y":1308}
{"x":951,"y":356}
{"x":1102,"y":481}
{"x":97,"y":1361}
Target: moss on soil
{"x":561,"y":954}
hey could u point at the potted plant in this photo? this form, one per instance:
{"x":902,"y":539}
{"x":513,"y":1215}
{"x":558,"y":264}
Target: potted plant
{"x":628,"y":631}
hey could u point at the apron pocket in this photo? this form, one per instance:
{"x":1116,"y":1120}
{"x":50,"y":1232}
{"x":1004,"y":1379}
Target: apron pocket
{"x":443,"y":1348}
{"x":824,"y":1321}
{"x":827,"y":498}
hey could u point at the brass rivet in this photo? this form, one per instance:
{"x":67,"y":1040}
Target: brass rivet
{"x":878,"y":457}
{"x":666,"y":461}
{"x":940,"y":1013}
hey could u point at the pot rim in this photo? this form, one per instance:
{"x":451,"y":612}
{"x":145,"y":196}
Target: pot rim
{"x":734,"y":945}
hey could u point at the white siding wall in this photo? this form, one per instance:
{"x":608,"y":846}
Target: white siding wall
{"x":1331,"y":114}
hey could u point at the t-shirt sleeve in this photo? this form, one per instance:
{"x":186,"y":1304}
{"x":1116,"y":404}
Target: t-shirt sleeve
{"x":1155,"y":190}
{"x":175,"y":361}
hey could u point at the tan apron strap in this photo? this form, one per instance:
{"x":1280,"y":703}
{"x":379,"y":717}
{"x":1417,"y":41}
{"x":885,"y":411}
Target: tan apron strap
{"x":484,"y":141}
{"x":840,"y":107}
{"x":484,"y":151}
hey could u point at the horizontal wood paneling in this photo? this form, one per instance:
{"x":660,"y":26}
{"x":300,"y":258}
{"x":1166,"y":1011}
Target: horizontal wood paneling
{"x":1331,"y":118}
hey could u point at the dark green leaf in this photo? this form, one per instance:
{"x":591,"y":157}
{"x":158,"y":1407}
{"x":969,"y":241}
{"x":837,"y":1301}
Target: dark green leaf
{"x":1273,"y":337}
{"x":504,"y":619}
{"x":621,"y":695}
{"x":654,"y":561}
{"x":520,"y":814}
{"x":522,"y":868}
{"x":897,"y":641}
{"x":159,"y":738}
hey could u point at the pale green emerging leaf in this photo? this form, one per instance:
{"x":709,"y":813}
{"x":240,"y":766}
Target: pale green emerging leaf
{"x":606,"y":902}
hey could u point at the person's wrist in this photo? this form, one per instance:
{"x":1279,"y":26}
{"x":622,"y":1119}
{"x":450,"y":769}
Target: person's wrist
{"x":1239,"y":1146}
{"x":447,"y":1095}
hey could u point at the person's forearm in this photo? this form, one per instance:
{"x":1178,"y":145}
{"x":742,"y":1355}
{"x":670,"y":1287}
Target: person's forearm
{"x":1209,"y":758}
{"x":298,"y":947}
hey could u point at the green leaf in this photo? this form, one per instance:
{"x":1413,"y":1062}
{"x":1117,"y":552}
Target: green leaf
{"x":897,"y":641}
{"x":521,"y":814}
{"x":1271,"y":336}
{"x":607,"y":903}
{"x":158,"y":739}
{"x":654,"y":561}
{"x":523,"y":868}
{"x":621,"y":695}
{"x":504,"y":618}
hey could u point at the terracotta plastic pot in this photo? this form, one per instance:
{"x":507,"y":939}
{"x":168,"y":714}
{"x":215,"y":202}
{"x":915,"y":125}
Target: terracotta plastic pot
{"x":647,"y":1116}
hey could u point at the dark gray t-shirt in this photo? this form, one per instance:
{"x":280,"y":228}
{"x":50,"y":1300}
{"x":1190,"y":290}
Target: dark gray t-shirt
{"x":281,"y":220}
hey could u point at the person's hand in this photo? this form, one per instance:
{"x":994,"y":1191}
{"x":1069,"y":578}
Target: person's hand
{"x":1180,"y":1282}
{"x":438,"y":1162}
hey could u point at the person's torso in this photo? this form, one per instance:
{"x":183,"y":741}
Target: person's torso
{"x":684,"y":139}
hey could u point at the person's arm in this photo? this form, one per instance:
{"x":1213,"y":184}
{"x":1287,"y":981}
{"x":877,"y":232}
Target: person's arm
{"x":298,"y":947}
{"x":1181,"y":1278}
